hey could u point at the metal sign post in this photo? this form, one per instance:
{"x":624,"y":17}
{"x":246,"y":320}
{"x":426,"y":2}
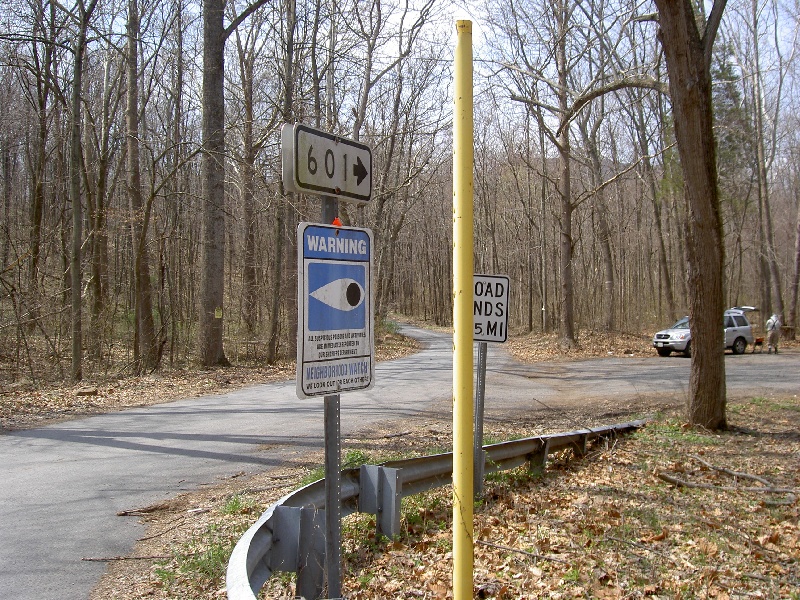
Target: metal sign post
{"x":335,"y":344}
{"x":335,"y":339}
{"x":480,"y":394}
{"x":333,"y":465}
{"x":490,"y":325}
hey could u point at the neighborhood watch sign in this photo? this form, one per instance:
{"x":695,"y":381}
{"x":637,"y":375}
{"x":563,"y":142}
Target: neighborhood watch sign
{"x":335,"y":346}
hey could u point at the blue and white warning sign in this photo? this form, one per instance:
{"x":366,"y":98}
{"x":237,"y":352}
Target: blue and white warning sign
{"x":334,"y":299}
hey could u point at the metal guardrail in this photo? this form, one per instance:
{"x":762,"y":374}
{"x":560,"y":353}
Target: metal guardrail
{"x":289,"y":536}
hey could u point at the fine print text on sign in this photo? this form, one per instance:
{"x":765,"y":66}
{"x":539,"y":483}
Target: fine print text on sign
{"x":317,"y":162}
{"x":490,"y":308}
{"x":335,"y":337}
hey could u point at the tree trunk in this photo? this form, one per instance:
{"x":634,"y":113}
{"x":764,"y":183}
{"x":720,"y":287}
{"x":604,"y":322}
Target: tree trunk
{"x":212,"y":282}
{"x":603,"y":228}
{"x":75,"y":189}
{"x":178,"y":186}
{"x":770,"y":262}
{"x":249,"y":280}
{"x":145,"y":352}
{"x":650,"y":178}
{"x":792,"y":321}
{"x":43,"y":91}
{"x":690,"y":91}
{"x":98,"y":218}
{"x":284,"y":210}
{"x":5,"y":159}
{"x":543,"y":267}
{"x":565,"y":190}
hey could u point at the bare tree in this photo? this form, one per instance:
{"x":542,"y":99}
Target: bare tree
{"x":102,"y":166}
{"x":212,"y":294}
{"x":636,"y":109}
{"x":547,"y":74}
{"x":248,"y":48}
{"x":759,"y":21}
{"x":81,"y":14}
{"x":796,"y":271}
{"x":590,"y":131}
{"x":688,"y":56}
{"x":145,"y":346}
{"x":281,"y":244}
{"x":42,"y":93}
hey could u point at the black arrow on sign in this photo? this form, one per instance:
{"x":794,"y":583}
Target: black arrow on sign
{"x":359,"y":170}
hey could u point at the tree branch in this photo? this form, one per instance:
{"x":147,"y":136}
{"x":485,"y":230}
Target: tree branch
{"x":732,"y":473}
{"x":637,"y":81}
{"x":242,"y":16}
{"x":712,"y":26}
{"x":536,"y":103}
{"x":523,"y":552}
{"x":724,"y":488}
{"x":34,"y":39}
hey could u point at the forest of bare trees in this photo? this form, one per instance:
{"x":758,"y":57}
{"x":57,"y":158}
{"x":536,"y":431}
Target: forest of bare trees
{"x":145,"y":225}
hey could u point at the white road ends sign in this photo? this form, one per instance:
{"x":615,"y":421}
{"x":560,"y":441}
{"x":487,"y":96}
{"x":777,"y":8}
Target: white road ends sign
{"x":490,"y":308}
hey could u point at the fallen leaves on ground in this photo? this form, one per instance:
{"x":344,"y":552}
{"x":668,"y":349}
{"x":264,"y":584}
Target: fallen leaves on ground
{"x":591,"y":344}
{"x":603,"y":526}
{"x":24,"y":404}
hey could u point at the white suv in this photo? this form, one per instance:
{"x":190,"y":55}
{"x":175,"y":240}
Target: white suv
{"x":678,"y":338}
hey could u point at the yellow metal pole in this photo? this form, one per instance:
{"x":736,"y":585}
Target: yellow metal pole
{"x":462,"y":315}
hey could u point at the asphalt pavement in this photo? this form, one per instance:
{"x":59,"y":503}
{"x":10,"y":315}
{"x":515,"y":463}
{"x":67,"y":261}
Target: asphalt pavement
{"x":62,"y":485}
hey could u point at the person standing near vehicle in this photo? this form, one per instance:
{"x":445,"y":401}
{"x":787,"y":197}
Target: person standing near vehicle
{"x":773,"y":333}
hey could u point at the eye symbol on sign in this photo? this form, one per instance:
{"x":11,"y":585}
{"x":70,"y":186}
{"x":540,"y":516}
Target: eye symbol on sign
{"x":342,"y":294}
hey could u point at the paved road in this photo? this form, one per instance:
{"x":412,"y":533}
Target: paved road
{"x":62,"y":485}
{"x":622,"y":380}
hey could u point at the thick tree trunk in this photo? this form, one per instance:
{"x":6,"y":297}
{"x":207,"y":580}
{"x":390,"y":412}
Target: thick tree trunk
{"x":690,"y":91}
{"x":212,"y":285}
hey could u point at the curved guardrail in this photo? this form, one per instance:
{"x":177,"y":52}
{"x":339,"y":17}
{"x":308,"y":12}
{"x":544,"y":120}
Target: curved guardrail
{"x":289,"y":536}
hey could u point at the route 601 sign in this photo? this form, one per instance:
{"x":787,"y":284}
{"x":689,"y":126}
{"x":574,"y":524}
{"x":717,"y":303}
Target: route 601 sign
{"x":317,"y":162}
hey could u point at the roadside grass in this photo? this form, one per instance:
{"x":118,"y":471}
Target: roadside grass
{"x":198,"y":565}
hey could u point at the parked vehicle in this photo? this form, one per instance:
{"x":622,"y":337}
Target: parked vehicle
{"x":678,"y":338}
